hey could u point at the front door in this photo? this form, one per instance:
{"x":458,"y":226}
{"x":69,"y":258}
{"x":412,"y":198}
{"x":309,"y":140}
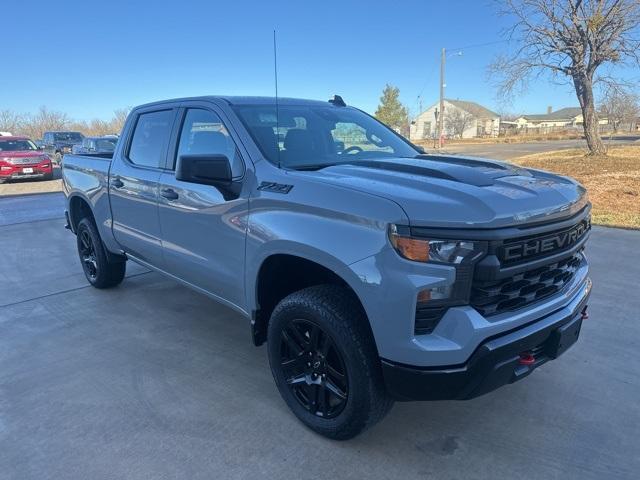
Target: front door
{"x":203,"y":234}
{"x":133,"y":184}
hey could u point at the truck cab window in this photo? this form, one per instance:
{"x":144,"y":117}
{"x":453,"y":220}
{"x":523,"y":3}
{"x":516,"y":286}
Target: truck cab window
{"x":150,"y":138}
{"x":204,"y":133}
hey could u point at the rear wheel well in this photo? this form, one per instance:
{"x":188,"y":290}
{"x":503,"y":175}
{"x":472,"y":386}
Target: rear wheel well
{"x":279,"y":276}
{"x":79,"y":209}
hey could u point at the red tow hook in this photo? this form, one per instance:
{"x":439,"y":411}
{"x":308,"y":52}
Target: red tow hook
{"x":584,"y":314}
{"x":527,"y":359}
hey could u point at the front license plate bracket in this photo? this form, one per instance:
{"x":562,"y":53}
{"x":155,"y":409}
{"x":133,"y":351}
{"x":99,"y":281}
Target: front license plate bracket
{"x":563,"y":337}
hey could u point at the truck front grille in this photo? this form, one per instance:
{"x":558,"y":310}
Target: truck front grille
{"x":26,"y":160}
{"x":494,"y":297}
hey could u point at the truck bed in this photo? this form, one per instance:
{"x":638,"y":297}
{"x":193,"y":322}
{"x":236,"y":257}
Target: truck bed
{"x":88,"y":173}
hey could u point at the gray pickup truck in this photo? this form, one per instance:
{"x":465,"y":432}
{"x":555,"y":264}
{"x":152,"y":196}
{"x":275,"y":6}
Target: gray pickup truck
{"x":374,"y":272}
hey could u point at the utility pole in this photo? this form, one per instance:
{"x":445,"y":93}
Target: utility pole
{"x":441,"y":115}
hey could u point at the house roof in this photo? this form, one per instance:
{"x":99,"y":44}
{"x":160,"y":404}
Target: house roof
{"x":562,"y":114}
{"x":473,"y":108}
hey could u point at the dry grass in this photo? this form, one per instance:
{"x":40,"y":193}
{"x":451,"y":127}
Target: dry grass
{"x":521,"y":138}
{"x":613,"y":182}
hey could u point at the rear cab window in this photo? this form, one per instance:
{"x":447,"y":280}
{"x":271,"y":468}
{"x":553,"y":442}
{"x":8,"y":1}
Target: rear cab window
{"x":150,"y":138}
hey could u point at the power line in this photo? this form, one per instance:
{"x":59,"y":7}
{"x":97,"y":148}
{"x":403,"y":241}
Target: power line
{"x":428,"y":77}
{"x":459,"y":49}
{"x":478,"y":45}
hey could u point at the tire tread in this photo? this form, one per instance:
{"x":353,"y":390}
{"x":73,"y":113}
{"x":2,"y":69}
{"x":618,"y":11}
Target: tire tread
{"x":338,"y":306}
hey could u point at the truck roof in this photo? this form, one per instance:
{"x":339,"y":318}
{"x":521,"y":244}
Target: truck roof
{"x":240,"y":100}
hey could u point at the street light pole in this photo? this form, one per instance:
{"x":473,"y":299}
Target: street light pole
{"x":441,"y":115}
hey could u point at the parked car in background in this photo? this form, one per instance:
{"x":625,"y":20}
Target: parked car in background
{"x":21,"y":158}
{"x":56,"y":144}
{"x":5,"y":134}
{"x":106,"y":144}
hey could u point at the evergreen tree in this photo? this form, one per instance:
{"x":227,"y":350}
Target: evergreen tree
{"x":391,"y":111}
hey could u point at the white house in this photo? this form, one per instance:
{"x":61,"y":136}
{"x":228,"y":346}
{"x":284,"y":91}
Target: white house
{"x":462,"y":119}
{"x":563,"y":118}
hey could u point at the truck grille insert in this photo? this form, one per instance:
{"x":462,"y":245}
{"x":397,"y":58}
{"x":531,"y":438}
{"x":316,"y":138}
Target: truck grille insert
{"x":494,"y":297}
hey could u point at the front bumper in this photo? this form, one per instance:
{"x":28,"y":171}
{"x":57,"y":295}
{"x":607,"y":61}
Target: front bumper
{"x":24,"y":176}
{"x":19,"y":172}
{"x":500,"y":360}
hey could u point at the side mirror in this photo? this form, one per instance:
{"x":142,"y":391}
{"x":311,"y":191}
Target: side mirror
{"x":205,"y":169}
{"x":40,"y":147}
{"x":208,"y":169}
{"x":420,"y":149}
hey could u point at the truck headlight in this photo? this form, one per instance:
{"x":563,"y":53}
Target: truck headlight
{"x":451,"y":252}
{"x":432,"y":303}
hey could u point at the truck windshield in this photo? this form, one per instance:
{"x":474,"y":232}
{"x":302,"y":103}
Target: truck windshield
{"x":17,"y":145}
{"x":67,"y":137}
{"x":316,"y":136}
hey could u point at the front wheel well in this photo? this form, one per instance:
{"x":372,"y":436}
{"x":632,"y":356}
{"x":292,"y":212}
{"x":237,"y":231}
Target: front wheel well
{"x":279,"y":276}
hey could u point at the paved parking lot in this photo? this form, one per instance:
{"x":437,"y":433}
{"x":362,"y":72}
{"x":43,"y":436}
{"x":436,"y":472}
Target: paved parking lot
{"x":150,"y":380}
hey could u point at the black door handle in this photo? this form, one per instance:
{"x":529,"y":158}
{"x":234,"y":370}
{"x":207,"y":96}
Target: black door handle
{"x":169,"y":193}
{"x":117,"y":183}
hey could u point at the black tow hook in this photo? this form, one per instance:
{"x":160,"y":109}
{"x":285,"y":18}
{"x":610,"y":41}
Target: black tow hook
{"x":584,"y":314}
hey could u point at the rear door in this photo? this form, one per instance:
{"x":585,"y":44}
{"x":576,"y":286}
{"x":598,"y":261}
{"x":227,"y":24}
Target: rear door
{"x":133,"y":183}
{"x":203,"y":234}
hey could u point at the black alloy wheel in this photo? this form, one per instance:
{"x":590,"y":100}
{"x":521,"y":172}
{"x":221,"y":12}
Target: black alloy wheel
{"x":102,"y":269}
{"x":314,"y":368}
{"x":87,"y":252}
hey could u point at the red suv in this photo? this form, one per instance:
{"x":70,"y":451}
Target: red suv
{"x":21,"y":158}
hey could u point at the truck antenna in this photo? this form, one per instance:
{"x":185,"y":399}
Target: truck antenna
{"x":275,"y":72}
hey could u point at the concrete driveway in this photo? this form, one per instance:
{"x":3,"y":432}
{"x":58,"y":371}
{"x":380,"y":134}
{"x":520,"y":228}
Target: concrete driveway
{"x":153,"y":381}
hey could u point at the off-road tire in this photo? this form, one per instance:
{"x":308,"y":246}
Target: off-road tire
{"x":107,"y":272}
{"x":339,"y":315}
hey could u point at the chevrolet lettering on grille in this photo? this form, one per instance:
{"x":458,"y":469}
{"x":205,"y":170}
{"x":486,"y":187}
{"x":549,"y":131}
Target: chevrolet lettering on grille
{"x":544,"y":244}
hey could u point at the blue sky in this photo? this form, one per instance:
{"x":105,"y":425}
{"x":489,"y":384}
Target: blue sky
{"x":88,"y":57}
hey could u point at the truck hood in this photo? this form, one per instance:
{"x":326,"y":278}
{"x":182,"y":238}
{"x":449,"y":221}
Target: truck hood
{"x":21,"y":153}
{"x":462,"y":192}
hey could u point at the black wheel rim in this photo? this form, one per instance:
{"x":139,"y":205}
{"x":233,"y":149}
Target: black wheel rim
{"x":88,"y":255}
{"x":313,"y":368}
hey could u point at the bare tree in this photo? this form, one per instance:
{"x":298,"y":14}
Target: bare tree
{"x":34,"y":125}
{"x":45,"y":120}
{"x":571,"y":40}
{"x":619,"y":106}
{"x":456,"y":121}
{"x":10,"y":121}
{"x":117,"y":122}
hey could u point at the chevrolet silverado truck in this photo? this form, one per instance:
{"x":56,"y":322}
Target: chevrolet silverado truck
{"x":373,"y":272}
